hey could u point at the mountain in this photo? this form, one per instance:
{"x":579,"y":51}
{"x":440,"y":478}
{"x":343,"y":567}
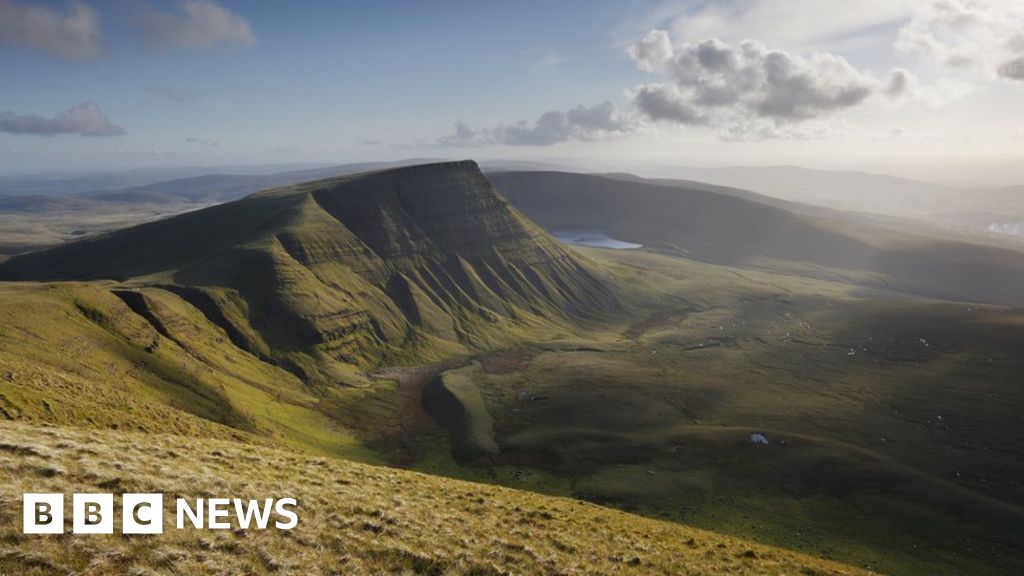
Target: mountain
{"x":37,"y":211}
{"x":740,"y":229}
{"x":63,"y":183}
{"x":194,"y":184}
{"x":842,"y":189}
{"x":350,"y":269}
{"x":223,"y":187}
{"x":982,"y":209}
{"x":415,"y":317}
{"x":32,"y":220}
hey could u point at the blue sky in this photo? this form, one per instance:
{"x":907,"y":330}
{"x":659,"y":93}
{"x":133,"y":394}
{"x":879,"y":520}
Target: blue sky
{"x":323,"y":75}
{"x":875,"y":84}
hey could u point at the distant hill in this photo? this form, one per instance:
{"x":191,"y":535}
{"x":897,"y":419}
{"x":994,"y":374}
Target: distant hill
{"x":43,"y":210}
{"x":972,"y":208}
{"x":226,"y":187}
{"x":740,"y":228}
{"x":58,"y":183}
{"x":350,"y":269}
{"x":40,"y":211}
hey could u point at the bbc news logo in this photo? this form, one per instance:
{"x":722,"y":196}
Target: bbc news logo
{"x":144,"y":513}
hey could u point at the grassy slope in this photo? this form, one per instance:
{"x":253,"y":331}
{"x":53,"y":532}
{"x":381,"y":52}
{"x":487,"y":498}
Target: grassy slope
{"x":614,"y":412}
{"x":904,"y":456}
{"x":455,"y":397}
{"x":647,"y":415}
{"x":76,"y":354}
{"x":329,"y":276}
{"x":354,"y":519}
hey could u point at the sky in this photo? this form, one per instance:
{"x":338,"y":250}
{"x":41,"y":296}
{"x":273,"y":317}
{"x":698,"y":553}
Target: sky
{"x":930,"y":89}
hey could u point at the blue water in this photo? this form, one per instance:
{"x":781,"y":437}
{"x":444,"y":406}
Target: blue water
{"x":594,"y":237}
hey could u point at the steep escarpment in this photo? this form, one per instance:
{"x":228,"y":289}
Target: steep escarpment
{"x":352,"y":271}
{"x":741,"y":229}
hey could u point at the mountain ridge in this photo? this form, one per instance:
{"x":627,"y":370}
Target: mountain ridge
{"x":742,"y":230}
{"x":350,"y":268}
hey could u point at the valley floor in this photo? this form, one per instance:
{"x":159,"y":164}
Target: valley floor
{"x":894,"y":429}
{"x":893,"y":422}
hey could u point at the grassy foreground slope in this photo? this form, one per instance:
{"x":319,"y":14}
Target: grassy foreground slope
{"x":354,"y":519}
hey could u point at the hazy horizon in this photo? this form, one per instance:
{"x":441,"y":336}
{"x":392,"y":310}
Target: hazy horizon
{"x":913,"y":88}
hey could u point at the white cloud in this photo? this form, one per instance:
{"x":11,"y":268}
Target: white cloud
{"x":581,"y":123}
{"x":86,"y":119}
{"x":904,"y":86}
{"x":746,"y":88}
{"x":708,"y":74}
{"x":1012,"y":69}
{"x":196,"y":24}
{"x":74,"y":34}
{"x":984,"y":36}
{"x":653,"y":52}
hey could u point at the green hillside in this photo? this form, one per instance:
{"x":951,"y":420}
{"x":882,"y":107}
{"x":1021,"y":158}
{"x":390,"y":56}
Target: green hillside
{"x":320,"y":278}
{"x":741,"y":229}
{"x":353,"y":519}
{"x":893,"y":423}
{"x":411,"y":317}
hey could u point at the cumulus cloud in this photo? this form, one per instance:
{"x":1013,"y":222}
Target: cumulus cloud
{"x":904,"y":86}
{"x":1012,"y":69}
{"x":86,"y":119}
{"x":981,"y":35}
{"x":652,"y":52}
{"x":667,"y":102}
{"x":899,"y":83}
{"x":747,"y":86}
{"x":74,"y":33}
{"x":195,"y":24}
{"x":581,"y":123}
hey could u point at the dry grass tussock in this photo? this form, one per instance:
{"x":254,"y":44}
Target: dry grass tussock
{"x":354,"y":518}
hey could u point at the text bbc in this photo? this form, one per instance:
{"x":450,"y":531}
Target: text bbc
{"x":144,"y":513}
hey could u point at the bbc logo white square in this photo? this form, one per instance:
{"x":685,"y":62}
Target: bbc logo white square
{"x":142,"y":514}
{"x":43,"y":514}
{"x":92,"y":513}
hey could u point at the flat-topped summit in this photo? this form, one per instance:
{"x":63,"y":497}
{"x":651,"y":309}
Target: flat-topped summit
{"x":350,"y":269}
